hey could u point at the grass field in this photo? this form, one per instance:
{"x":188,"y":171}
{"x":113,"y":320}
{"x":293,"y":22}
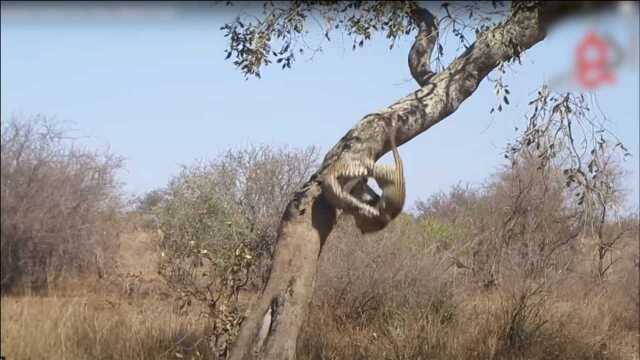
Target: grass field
{"x":574,"y":320}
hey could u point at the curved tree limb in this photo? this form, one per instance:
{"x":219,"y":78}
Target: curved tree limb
{"x":271,"y":328}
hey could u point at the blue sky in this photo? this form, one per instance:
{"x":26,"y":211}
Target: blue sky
{"x":152,"y":83}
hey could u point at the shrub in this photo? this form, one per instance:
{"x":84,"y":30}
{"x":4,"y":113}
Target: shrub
{"x":60,"y":205}
{"x":218,"y":221}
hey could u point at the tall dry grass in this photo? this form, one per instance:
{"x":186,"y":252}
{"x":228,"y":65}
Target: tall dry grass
{"x":386,"y":296}
{"x":492,"y":325}
{"x":95,"y":327}
{"x":380,"y":298}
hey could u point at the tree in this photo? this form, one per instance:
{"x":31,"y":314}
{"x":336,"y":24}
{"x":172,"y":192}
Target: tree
{"x":272,"y":326}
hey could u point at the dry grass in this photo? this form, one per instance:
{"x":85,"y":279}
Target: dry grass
{"x":97,"y":328}
{"x":482,"y":326}
{"x":468,"y":326}
{"x":376,"y":300}
{"x":357,"y":313}
{"x":127,"y":316}
{"x":394,"y":295}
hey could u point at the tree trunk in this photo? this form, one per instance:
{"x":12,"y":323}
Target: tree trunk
{"x":271,"y":328}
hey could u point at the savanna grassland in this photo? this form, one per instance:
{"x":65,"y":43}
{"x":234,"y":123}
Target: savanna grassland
{"x":509,"y":269}
{"x":410,"y":310}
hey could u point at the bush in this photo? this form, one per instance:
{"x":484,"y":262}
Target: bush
{"x":249,"y":187}
{"x":218,"y":221}
{"x":60,"y":205}
{"x":200,"y":232}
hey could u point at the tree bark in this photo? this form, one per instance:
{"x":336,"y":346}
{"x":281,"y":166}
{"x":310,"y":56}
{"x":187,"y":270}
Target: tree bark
{"x":271,"y":328}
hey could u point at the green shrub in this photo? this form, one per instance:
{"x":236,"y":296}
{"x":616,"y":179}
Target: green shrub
{"x":218,"y":221}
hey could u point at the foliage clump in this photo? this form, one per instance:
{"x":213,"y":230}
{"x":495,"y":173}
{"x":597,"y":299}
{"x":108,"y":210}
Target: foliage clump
{"x":217,"y":223}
